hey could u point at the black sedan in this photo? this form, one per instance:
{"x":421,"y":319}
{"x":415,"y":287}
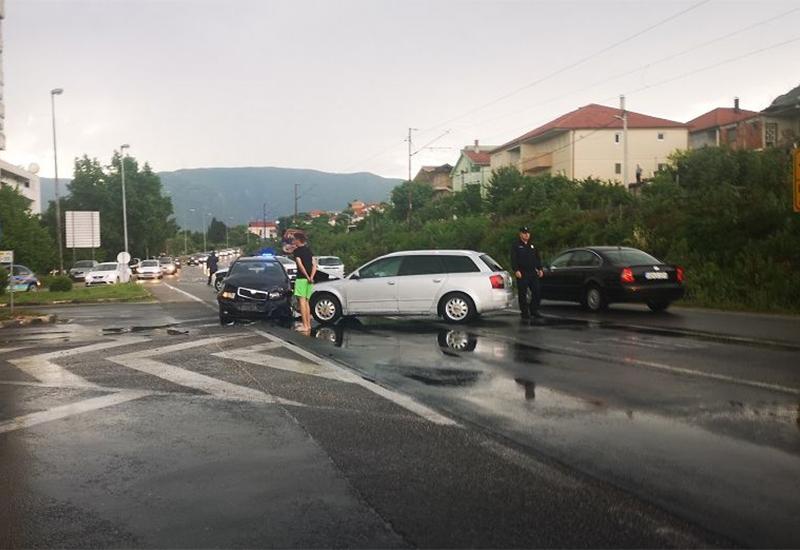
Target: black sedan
{"x":255,"y":288}
{"x":600,"y":275}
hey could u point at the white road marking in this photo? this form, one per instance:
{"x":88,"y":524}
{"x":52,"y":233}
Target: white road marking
{"x":64,"y":411}
{"x":254,"y":355}
{"x":345,"y":375}
{"x":141,"y":362}
{"x":190,"y":296}
{"x":44,"y":370}
{"x":9,"y":350}
{"x":672,"y":369}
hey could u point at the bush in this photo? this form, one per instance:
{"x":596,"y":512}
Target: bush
{"x":3,"y":278}
{"x":60,"y":284}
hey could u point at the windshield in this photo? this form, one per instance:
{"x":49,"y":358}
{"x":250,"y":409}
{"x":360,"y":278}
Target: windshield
{"x":106,"y":267}
{"x":150,"y":263}
{"x":630,"y":256}
{"x":84,"y":263}
{"x":257,"y":272}
{"x":329,"y":261}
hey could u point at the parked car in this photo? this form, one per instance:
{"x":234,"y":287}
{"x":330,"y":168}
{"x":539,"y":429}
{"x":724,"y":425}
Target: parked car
{"x":290,"y":266}
{"x":256,"y":287}
{"x":22,"y":279}
{"x":455,"y":284}
{"x":80,"y":269}
{"x":168,"y":266}
{"x":331,"y":265}
{"x":149,"y":269}
{"x":177,"y":261}
{"x":107,"y":273}
{"x":597,"y":276}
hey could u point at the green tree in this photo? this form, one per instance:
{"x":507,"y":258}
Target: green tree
{"x":216,"y":232}
{"x":421,"y":194}
{"x":22,"y":232}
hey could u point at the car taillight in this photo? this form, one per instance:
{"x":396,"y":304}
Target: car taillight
{"x":497,"y":281}
{"x":627,"y":275}
{"x":679,"y":273}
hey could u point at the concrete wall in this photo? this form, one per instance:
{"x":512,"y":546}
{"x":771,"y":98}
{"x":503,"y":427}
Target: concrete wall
{"x":703,"y":138}
{"x":788,"y":130}
{"x":597,"y":152}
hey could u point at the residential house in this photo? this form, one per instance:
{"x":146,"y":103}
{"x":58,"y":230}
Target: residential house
{"x":473,"y":167}
{"x":264,"y":229}
{"x":782,"y":120}
{"x":24,"y":181}
{"x":724,"y":126}
{"x":588,"y":142}
{"x":438,"y":177}
{"x":361,"y":210}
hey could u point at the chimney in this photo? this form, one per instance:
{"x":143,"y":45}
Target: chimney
{"x":477,"y":149}
{"x":736,"y":104}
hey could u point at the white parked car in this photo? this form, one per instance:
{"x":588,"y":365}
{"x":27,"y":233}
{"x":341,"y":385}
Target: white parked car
{"x":149,"y":269}
{"x":331,"y":265}
{"x":290,"y":266}
{"x":107,"y":273}
{"x":455,"y":284}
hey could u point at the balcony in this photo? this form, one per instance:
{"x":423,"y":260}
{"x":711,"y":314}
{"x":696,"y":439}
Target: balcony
{"x":536,"y":163}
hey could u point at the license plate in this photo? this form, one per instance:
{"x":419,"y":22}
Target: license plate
{"x":656,"y":275}
{"x":251,"y":307}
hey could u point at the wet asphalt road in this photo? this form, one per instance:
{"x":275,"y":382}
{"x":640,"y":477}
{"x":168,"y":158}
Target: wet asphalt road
{"x":621,"y":430}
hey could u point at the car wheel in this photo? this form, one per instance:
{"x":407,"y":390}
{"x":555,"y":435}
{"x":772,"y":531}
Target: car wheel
{"x":326,"y":308}
{"x":224,"y":319}
{"x":594,"y":299}
{"x":457,"y":308}
{"x":218,"y":284}
{"x":32,"y":288}
{"x":657,"y":305}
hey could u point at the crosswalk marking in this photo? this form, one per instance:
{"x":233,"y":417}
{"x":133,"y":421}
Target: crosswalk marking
{"x":44,"y":370}
{"x":64,"y":411}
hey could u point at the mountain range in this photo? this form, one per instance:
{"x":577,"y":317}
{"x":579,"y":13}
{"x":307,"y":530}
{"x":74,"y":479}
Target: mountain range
{"x":238,"y":195}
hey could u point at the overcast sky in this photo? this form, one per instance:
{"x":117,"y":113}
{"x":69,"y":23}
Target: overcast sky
{"x":334,"y":85}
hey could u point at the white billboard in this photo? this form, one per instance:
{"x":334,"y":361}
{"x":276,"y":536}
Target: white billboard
{"x":82,"y":229}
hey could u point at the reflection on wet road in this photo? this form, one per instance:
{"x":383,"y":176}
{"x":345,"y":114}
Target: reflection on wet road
{"x":700,"y":425}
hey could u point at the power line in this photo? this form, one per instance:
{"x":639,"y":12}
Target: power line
{"x":572,"y":65}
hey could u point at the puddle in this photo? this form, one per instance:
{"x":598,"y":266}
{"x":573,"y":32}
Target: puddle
{"x":441,"y":377}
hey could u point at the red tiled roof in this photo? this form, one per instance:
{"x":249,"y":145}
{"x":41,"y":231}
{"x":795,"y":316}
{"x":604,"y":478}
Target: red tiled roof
{"x":721,"y":116}
{"x":260,"y":223}
{"x":481,"y":158}
{"x":595,"y":116}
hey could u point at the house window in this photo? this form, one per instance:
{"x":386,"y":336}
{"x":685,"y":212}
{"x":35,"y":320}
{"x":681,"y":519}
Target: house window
{"x":771,"y":134}
{"x":617,"y":137}
{"x":730,"y":135}
{"x":660,"y":136}
{"x":618,"y":168}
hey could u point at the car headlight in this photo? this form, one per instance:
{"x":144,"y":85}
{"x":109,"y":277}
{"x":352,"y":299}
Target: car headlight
{"x":274,"y":295}
{"x":227,"y":294}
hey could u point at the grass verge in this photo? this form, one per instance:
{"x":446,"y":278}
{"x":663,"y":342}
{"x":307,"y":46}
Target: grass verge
{"x":129,"y":292}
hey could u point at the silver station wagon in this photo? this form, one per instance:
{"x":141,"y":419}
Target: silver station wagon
{"x":457,"y":285}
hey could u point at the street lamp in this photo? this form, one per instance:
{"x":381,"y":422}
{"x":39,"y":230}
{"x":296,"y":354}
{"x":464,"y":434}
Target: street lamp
{"x":53,"y":93}
{"x":124,"y":205}
{"x":205,"y":244}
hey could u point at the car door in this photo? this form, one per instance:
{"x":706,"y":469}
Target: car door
{"x":420,"y":279}
{"x":581,"y":267}
{"x":374,"y":288}
{"x":554,"y":282}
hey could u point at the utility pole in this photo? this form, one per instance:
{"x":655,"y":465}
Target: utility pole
{"x":296,"y":187}
{"x":264,"y":221}
{"x":624,"y":141}
{"x":410,"y":190}
{"x":53,"y":94}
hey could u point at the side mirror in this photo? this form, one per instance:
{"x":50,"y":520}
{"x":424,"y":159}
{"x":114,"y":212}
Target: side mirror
{"x":354,"y":276}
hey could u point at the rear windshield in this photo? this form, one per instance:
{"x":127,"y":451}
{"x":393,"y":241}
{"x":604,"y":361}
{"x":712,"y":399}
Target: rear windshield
{"x":84,"y":263}
{"x":490,"y":263}
{"x":165,"y":260}
{"x":106,"y":267}
{"x":630,"y":256}
{"x":329,"y":261}
{"x":149,"y":263}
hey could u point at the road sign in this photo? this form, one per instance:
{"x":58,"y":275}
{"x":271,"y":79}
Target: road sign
{"x":83,"y":228}
{"x":796,"y":182}
{"x":6,"y":256}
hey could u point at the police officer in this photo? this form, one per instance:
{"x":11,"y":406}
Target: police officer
{"x":527,"y":268}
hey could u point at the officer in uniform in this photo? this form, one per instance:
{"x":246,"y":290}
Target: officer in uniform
{"x":527,"y":268}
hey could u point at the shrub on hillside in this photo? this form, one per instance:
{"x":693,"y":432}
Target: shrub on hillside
{"x":60,"y":284}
